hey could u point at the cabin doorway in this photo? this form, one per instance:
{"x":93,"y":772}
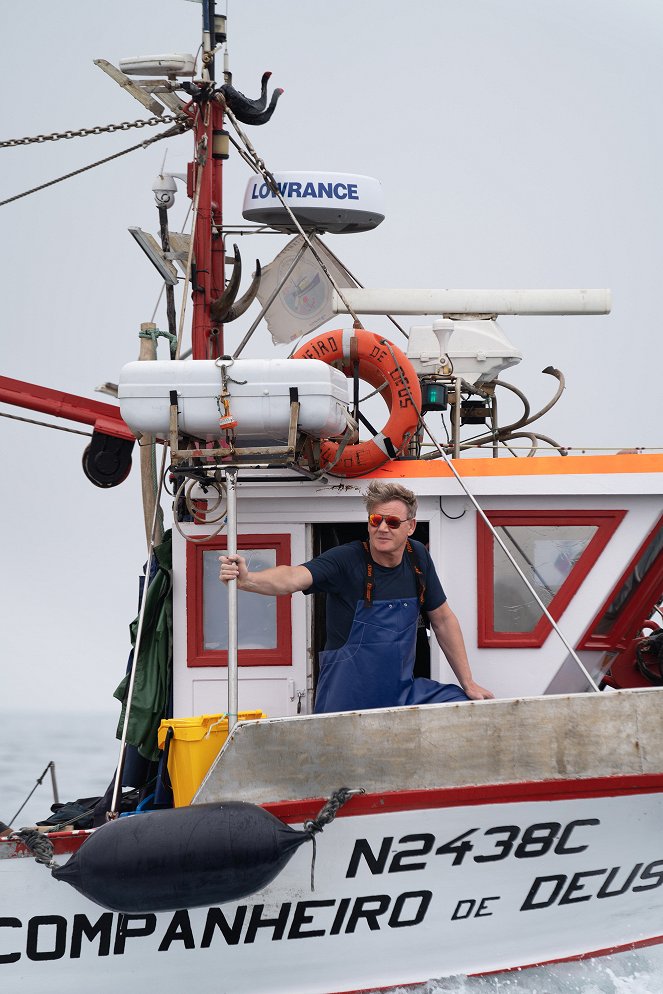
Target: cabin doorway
{"x":328,"y":536}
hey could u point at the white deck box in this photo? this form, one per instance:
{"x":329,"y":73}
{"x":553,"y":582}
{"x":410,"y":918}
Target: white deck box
{"x":259,"y":398}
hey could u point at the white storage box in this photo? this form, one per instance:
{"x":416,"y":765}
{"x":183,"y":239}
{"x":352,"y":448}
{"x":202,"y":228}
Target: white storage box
{"x":259,"y":392}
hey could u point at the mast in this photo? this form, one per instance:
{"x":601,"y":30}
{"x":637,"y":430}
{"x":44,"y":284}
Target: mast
{"x":209,"y":282}
{"x":205,"y":173}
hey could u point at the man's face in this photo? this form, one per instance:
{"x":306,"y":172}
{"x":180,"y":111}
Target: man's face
{"x":388,"y":541}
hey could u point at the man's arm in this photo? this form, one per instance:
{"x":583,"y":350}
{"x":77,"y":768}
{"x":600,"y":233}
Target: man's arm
{"x":274,"y":581}
{"x":449,"y":636}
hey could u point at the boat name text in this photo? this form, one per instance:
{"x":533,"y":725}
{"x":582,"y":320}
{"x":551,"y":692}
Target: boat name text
{"x":52,"y":937}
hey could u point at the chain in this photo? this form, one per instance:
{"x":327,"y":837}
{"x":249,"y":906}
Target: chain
{"x":98,"y":130}
{"x":182,"y":123}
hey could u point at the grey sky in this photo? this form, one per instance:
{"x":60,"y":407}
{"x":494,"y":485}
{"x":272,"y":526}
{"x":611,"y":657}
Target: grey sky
{"x":519,"y":145}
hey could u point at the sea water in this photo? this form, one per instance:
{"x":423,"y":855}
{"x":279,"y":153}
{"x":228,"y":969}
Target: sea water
{"x":84,"y":751}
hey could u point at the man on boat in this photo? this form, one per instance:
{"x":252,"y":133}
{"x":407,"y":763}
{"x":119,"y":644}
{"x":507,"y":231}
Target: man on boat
{"x":375,"y":591}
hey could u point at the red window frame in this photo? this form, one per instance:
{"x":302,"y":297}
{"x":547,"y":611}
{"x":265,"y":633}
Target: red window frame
{"x":635,"y":610}
{"x":606,"y":523}
{"x":197,"y":655}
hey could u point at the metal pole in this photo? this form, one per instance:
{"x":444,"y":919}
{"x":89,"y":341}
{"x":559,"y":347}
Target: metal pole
{"x":54,"y":783}
{"x":231,"y":526}
{"x":170,"y":290}
{"x":147,"y":448}
{"x":455,"y":434}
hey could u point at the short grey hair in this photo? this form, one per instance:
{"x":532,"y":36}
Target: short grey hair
{"x":381,"y":491}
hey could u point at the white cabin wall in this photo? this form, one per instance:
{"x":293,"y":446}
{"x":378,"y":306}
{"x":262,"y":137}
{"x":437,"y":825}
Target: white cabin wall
{"x":272,"y":689}
{"x":513,"y":672}
{"x":509,"y":672}
{"x":452,"y":546}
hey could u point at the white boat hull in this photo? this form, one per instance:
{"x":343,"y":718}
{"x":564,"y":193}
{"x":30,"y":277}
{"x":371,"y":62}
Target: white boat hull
{"x":407,"y":887}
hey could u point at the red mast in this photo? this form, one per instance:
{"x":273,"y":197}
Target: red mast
{"x":208,"y":278}
{"x":209,"y":273}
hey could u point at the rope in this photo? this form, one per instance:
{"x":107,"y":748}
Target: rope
{"x":45,"y":424}
{"x":155,"y":334}
{"x":178,"y":129}
{"x":38,"y":844}
{"x":247,"y":158}
{"x":326,"y":815}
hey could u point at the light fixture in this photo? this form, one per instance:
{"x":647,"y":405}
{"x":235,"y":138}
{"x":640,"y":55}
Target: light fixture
{"x":220,"y":29}
{"x":433,"y":395}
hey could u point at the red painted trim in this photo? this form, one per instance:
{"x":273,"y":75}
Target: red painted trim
{"x":449,"y":797}
{"x":197,"y":655}
{"x":63,"y":843}
{"x":296,"y":812}
{"x":638,"y":606}
{"x":105,"y":418}
{"x":606,"y":523}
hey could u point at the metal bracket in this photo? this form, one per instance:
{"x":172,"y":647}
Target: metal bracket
{"x":296,"y":452}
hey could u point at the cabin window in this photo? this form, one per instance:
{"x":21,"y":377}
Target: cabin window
{"x":554,"y":549}
{"x":263,"y":623}
{"x":631,"y":601}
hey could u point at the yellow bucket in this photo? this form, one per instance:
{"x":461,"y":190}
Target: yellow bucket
{"x":194,"y":746}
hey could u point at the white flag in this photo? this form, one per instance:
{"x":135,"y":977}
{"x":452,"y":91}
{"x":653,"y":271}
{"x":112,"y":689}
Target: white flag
{"x":304,"y":301}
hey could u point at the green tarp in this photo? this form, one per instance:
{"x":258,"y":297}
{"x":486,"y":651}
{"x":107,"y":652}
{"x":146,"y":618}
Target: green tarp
{"x":152,"y":684}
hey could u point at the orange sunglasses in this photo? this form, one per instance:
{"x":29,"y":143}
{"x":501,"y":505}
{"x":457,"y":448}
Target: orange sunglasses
{"x":375,"y":520}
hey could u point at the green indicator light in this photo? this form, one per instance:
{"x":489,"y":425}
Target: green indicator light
{"x":434,"y":396}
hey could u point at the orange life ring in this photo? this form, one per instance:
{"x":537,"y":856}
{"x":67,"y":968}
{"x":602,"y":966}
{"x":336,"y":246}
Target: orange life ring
{"x":378,"y":365}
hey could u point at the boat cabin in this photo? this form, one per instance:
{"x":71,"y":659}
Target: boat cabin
{"x":587,"y":532}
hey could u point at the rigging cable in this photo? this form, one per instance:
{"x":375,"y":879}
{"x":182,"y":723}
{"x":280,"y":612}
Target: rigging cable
{"x":178,"y":129}
{"x":45,"y":424}
{"x":496,"y":536}
{"x":269,"y":179}
{"x":40,"y":780}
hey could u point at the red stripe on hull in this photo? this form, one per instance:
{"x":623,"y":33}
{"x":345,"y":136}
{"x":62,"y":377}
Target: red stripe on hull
{"x":419,"y":800}
{"x":449,"y":797}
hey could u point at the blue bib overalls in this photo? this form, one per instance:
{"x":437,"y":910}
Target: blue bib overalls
{"x":374,"y":667}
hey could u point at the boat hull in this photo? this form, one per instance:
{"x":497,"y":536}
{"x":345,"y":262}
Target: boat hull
{"x":409,"y":885}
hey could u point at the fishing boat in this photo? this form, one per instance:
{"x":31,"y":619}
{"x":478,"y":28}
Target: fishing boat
{"x":403,"y":843}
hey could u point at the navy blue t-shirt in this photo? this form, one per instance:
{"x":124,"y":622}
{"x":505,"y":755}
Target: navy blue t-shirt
{"x":341,"y":573}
